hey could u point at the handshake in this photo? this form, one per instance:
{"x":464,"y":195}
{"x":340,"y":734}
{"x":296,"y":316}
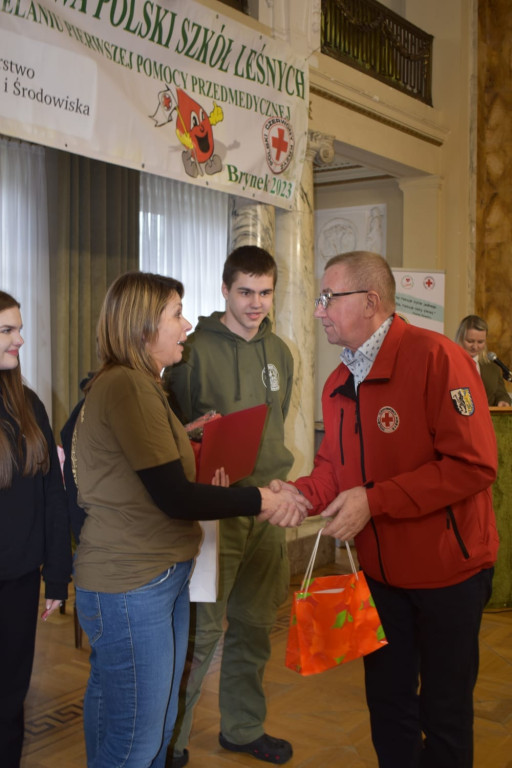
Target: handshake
{"x":283,"y":505}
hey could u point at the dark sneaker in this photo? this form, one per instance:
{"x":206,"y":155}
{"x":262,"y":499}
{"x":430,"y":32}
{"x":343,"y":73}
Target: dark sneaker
{"x":264,"y":748}
{"x":176,"y":760}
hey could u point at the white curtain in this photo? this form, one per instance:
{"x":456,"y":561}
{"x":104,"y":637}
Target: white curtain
{"x":24,"y":255}
{"x":184,"y":234}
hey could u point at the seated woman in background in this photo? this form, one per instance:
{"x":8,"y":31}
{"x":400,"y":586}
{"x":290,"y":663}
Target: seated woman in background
{"x":34,"y":530}
{"x":472,"y":336}
{"x":135,"y":472}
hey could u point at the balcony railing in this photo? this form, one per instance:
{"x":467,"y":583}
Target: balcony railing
{"x":368,"y":36}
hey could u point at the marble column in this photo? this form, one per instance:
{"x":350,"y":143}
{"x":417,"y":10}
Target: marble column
{"x":289,"y":235}
{"x":295,"y":294}
{"x":252,"y":224}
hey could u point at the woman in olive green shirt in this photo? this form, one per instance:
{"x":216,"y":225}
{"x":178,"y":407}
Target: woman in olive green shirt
{"x":135,"y":473}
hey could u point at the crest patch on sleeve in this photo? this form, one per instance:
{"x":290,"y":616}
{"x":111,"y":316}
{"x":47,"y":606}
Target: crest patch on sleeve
{"x":463,"y":401}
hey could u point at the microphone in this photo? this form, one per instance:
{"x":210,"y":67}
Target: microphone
{"x":507,"y":373}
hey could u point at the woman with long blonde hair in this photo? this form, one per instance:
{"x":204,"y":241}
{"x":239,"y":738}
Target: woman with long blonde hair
{"x":135,"y":472}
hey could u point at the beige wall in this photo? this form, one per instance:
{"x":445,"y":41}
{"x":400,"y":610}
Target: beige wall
{"x":427,"y":148}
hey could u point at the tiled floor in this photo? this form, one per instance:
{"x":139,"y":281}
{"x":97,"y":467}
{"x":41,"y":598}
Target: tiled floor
{"x":324,"y":716}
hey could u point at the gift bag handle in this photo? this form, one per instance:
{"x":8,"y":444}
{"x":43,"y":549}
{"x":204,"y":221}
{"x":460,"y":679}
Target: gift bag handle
{"x":311,"y":564}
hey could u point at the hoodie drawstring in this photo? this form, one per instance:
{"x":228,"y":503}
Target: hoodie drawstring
{"x":238,"y":385}
{"x":268,"y":397}
{"x":238,"y":389}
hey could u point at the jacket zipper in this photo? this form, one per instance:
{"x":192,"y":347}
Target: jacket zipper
{"x":359,"y":431}
{"x":450,"y":521}
{"x":361,"y":446}
{"x":342,"y":454}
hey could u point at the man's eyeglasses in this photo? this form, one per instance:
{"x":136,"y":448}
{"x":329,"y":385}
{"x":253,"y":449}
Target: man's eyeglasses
{"x":325,"y":297}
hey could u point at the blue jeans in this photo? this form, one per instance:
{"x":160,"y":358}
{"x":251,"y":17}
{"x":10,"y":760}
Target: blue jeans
{"x":138,"y":641}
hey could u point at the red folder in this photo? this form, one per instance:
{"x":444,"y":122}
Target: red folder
{"x":231,"y":442}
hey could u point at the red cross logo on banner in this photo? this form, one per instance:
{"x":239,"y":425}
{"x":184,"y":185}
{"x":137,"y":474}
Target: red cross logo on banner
{"x":279,"y":143}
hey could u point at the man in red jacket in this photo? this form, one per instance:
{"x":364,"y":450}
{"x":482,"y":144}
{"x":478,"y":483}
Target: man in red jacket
{"x":406,"y":468}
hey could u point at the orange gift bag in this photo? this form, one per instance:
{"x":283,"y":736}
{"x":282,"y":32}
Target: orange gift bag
{"x":333,"y":620}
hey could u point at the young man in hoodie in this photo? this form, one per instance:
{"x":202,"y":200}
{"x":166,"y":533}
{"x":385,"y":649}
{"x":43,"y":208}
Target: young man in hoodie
{"x":233,"y":361}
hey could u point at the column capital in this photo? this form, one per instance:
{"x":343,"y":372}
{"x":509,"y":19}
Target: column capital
{"x":321,"y":145}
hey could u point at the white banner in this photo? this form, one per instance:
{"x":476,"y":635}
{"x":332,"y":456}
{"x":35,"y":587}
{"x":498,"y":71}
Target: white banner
{"x":172,"y":89}
{"x":420,"y":298}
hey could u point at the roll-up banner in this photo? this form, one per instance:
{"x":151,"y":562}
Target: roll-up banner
{"x":420,"y":297}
